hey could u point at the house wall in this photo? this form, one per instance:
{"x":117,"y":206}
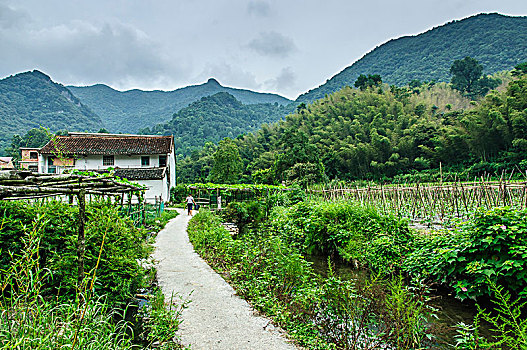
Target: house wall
{"x":122,"y":161}
{"x":171,"y":163}
{"x":26,"y":160}
{"x":155,"y":188}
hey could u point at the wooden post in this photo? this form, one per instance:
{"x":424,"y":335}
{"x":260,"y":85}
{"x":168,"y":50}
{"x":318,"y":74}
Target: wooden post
{"x":81,"y":239}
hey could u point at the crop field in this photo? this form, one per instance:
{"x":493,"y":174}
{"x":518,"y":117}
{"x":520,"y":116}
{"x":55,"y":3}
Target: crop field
{"x":433,"y":205}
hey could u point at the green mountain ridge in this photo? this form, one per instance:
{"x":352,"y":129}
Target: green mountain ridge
{"x":132,"y":110}
{"x":215,"y":117}
{"x":497,"y":41}
{"x":31,"y":99}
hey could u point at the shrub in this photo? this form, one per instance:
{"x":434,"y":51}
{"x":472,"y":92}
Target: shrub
{"x":353,"y":232}
{"x":492,"y":246}
{"x":119,"y":273}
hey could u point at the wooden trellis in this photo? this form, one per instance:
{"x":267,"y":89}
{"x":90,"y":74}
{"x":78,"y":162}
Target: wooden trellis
{"x":18,"y":185}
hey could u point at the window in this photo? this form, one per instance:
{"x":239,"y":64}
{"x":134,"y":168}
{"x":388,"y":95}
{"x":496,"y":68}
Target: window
{"x":33,"y":155}
{"x":33,"y":168}
{"x":145,"y":161}
{"x":162,"y":161}
{"x":108,"y":160}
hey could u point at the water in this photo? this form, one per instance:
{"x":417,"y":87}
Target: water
{"x":450,"y":311}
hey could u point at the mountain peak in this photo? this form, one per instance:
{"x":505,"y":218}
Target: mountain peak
{"x":213,"y":81}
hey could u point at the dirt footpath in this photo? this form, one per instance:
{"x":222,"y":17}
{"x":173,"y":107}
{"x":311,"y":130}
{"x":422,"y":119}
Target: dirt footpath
{"x":216,"y":318}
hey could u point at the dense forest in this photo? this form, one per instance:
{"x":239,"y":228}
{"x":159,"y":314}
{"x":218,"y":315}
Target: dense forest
{"x":129,"y":111}
{"x":215,"y":117}
{"x":498,"y":42}
{"x":382,"y":132}
{"x":29,"y":100}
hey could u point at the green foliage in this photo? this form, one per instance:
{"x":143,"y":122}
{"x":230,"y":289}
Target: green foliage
{"x":244,"y":214}
{"x":31,"y":100}
{"x":363,"y":82}
{"x":520,"y":69}
{"x":507,"y":324}
{"x":374,"y":135}
{"x":118,"y":276}
{"x":227,"y":166}
{"x":467,"y":78}
{"x":215,"y":117}
{"x":498,"y":42}
{"x":133,"y":110}
{"x":320,"y":314}
{"x":36,"y":137}
{"x":161,"y":321}
{"x":31,"y":318}
{"x":490,"y":246}
{"x":353,"y":232}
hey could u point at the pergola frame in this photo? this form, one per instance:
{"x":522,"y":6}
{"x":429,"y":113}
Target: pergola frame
{"x":19,"y":185}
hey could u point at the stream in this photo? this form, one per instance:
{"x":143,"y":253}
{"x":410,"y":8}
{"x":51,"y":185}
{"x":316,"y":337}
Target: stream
{"x":450,"y":311}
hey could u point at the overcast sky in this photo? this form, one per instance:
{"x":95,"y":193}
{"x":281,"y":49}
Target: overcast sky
{"x":281,"y":46}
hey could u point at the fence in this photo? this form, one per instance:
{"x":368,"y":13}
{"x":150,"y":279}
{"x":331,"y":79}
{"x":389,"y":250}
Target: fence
{"x":433,"y":205}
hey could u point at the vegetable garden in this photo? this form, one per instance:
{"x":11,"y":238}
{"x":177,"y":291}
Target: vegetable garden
{"x":481,"y":258}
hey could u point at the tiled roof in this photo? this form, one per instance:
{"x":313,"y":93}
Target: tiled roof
{"x":108,"y":145}
{"x":139,"y":173}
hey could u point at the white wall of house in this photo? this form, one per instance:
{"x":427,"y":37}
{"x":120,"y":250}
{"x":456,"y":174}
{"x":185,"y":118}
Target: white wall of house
{"x":95,"y":162}
{"x":121,"y":161}
{"x":171,"y":163}
{"x":155,"y":188}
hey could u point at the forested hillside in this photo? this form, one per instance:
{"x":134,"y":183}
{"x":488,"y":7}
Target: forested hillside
{"x":31,"y":99}
{"x":129,"y":111}
{"x":498,"y":42}
{"x":382,"y":132}
{"x":215,"y":117}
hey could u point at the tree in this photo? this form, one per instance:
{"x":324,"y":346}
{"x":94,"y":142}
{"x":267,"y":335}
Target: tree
{"x":520,"y":69}
{"x":467,"y":78}
{"x":364,"y":82}
{"x":36,"y":137}
{"x":227,"y":163}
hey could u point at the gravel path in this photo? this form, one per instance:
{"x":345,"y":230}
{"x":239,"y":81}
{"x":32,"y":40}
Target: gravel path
{"x":216,"y":318}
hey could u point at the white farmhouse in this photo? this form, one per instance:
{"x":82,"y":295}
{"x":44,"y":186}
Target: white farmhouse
{"x":148,"y":160}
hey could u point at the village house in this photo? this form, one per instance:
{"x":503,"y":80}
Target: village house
{"x":29,"y":159}
{"x":147,"y":160}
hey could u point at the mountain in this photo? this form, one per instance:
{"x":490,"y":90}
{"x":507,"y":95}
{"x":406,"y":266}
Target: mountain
{"x":31,"y":99}
{"x":498,"y":42}
{"x":129,"y":111}
{"x":380,"y":133}
{"x":215,"y":117}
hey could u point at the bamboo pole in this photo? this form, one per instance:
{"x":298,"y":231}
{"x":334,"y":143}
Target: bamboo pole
{"x":81,"y":239}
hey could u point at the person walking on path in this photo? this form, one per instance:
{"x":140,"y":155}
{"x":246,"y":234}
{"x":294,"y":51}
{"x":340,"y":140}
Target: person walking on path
{"x":190,"y":202}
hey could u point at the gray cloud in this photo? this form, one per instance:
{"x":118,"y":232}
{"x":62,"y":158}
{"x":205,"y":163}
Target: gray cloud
{"x":86,"y":52}
{"x":11,"y":18}
{"x":285,"y":81}
{"x":259,"y":8}
{"x":272,"y":44}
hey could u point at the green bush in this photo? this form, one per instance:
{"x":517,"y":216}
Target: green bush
{"x":353,"y":232}
{"x":119,"y":273}
{"x":491,"y":246}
